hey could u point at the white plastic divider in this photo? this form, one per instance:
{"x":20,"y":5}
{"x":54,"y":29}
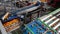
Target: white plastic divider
{"x":50,"y":19}
{"x":56,"y":26}
{"x":54,"y":22}
{"x":43,"y":16}
{"x":58,"y":14}
{"x":46,"y":17}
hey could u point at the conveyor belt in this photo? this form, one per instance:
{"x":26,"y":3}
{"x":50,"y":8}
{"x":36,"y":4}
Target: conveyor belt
{"x":52,"y":20}
{"x":48,"y":22}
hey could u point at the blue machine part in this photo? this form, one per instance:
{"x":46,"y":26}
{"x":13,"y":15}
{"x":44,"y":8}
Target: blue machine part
{"x":40,"y":24}
{"x":35,"y":27}
{"x":49,"y":33}
{"x":10,"y":18}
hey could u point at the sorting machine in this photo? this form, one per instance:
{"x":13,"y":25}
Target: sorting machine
{"x":11,"y":21}
{"x":48,"y":24}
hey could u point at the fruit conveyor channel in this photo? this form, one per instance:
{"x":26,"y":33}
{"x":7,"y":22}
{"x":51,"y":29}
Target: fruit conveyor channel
{"x":52,"y":20}
{"x":38,"y":26}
